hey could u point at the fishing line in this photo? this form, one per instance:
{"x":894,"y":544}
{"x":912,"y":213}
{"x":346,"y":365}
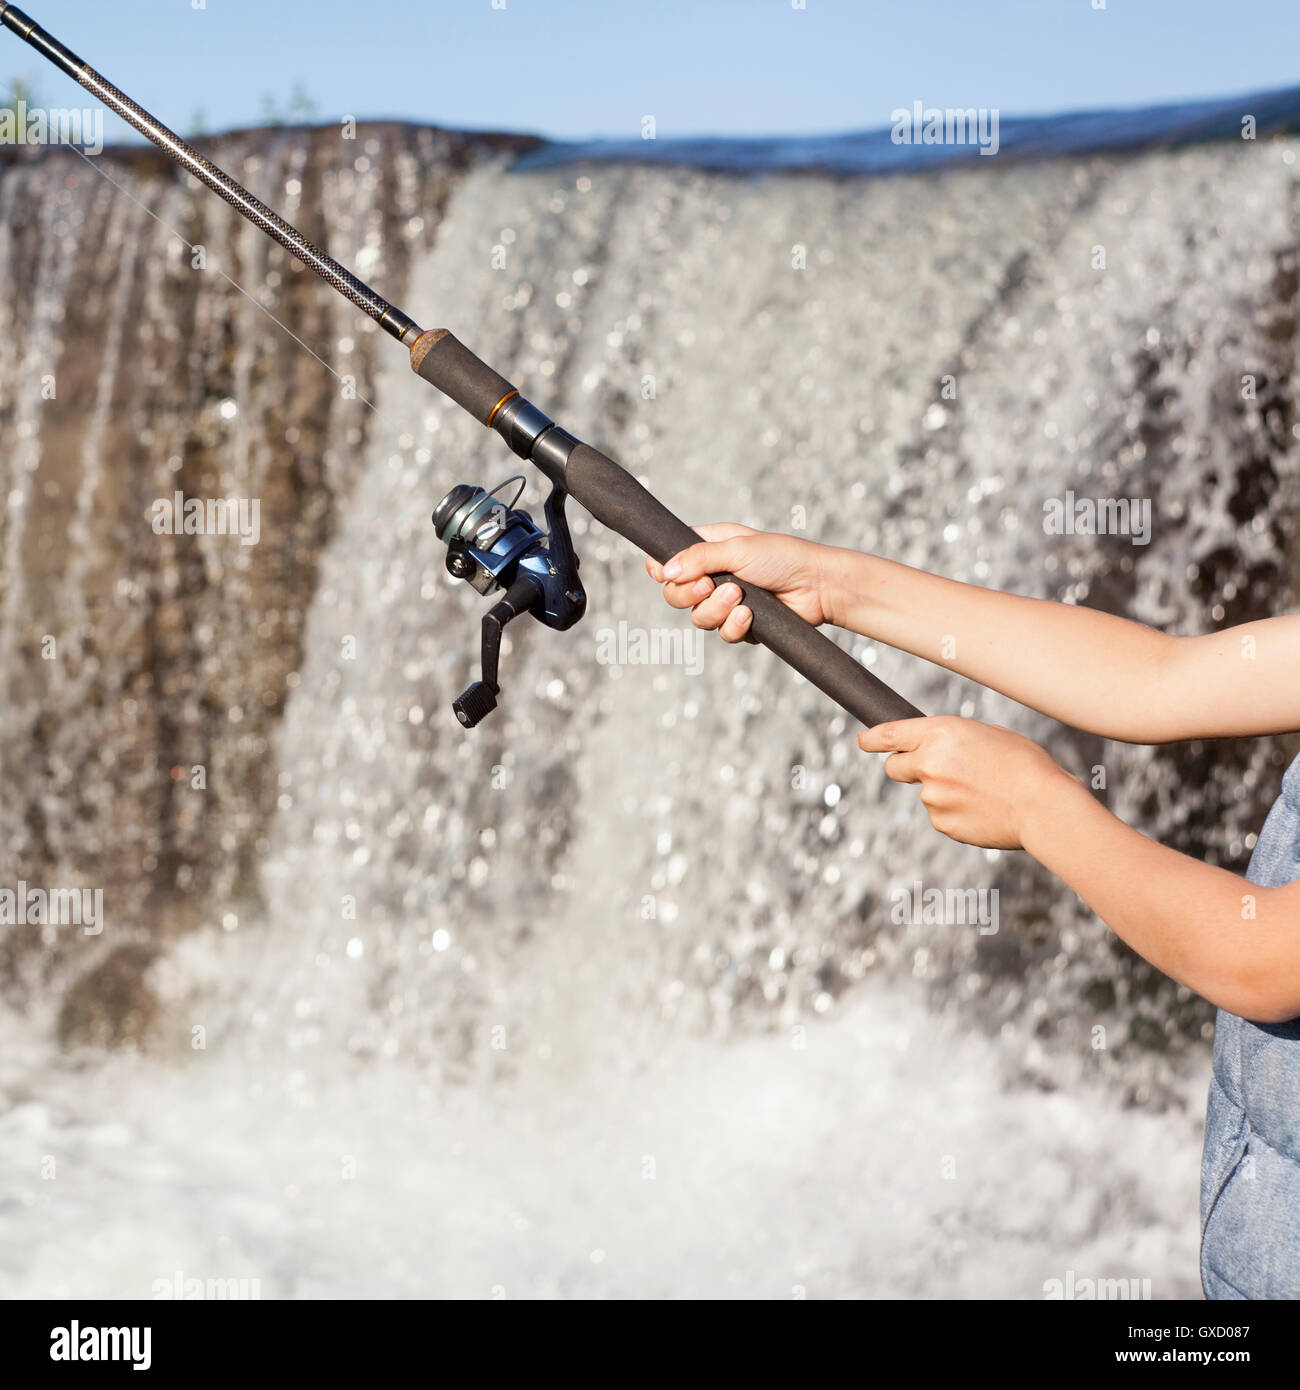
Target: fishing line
{"x":252,"y":299}
{"x":126,"y":193}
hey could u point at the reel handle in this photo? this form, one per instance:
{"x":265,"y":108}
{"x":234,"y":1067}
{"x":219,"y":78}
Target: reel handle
{"x":478,"y":700}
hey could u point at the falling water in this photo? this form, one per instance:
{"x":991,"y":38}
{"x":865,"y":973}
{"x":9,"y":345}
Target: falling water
{"x":609,"y":991}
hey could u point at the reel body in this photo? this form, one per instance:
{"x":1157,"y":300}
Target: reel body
{"x":494,"y":545}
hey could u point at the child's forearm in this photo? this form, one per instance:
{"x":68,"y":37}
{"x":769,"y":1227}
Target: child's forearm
{"x":1098,"y":672}
{"x":1232,"y":942}
{"x":1085,"y":668}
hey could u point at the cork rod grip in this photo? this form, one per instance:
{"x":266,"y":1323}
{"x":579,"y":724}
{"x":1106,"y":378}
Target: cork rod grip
{"x":445,"y":362}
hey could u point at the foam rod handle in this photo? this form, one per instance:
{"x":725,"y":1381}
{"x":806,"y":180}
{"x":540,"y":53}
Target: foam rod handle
{"x":612,"y":495}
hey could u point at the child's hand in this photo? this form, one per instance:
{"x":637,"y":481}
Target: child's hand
{"x":796,"y":571}
{"x":979,"y":782}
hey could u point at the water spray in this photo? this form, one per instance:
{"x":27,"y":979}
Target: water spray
{"x":491,"y":545}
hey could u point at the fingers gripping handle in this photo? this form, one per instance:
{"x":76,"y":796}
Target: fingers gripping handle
{"x":612,"y":495}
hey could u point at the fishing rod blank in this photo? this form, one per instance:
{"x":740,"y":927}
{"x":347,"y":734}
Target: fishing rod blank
{"x":498,"y":547}
{"x":207,"y":172}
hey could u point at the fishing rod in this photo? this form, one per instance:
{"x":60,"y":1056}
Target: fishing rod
{"x":493,"y":545}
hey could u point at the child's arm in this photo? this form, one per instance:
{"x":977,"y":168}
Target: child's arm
{"x":1236,"y":944}
{"x":1097,"y":672}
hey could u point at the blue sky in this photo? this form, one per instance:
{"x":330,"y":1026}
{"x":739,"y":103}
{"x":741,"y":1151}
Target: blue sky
{"x":584,"y":67}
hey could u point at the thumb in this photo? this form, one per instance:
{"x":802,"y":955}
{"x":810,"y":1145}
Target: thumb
{"x":898,"y":736}
{"x":723,"y":530}
{"x":708,"y":557}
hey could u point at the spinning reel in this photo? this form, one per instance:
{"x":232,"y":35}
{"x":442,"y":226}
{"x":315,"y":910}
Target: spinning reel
{"x":492,"y":544}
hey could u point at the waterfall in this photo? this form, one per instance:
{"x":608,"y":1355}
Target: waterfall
{"x":638,"y":893}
